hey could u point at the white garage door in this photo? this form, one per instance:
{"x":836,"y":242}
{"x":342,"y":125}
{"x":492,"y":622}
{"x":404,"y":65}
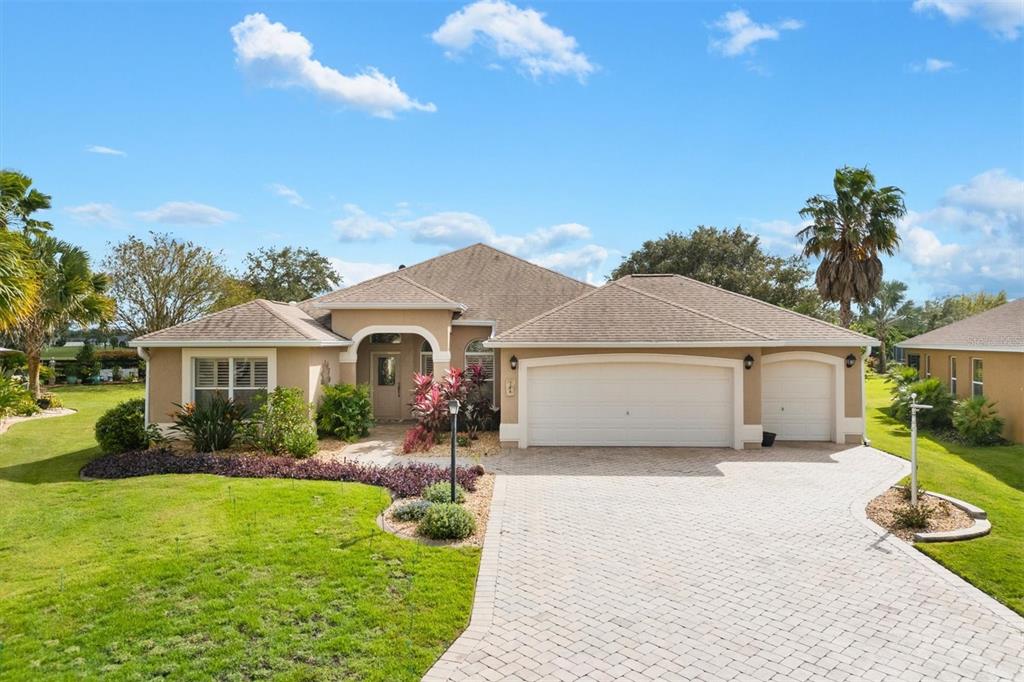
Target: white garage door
{"x":630,"y":404}
{"x":797,"y":400}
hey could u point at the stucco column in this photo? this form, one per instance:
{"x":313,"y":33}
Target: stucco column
{"x":440,"y":368}
{"x":347,"y":372}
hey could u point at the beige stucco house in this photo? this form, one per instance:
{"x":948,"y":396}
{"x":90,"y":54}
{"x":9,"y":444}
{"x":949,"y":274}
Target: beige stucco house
{"x":980,"y":355}
{"x":657,"y":360}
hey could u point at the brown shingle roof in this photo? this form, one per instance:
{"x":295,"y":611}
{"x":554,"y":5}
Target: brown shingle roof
{"x":258,"y":320}
{"x":670,"y":309}
{"x":1000,"y":328}
{"x":492,"y":284}
{"x":394,"y":289}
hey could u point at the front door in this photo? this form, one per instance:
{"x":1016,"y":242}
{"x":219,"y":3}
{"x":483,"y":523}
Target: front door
{"x":387,"y":387}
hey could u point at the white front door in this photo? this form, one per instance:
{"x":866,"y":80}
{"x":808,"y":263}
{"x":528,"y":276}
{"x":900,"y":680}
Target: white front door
{"x":386,"y":385}
{"x":630,"y":403}
{"x":798,"y":400}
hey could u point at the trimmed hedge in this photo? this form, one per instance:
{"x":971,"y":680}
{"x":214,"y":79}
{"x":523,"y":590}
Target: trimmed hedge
{"x":407,"y":480}
{"x":123,"y":427}
{"x":447,"y":521}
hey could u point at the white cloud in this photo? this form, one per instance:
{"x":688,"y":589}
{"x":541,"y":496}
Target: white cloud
{"x":1002,"y":17}
{"x":515,"y":34}
{"x":451,"y":228}
{"x":585,"y":258}
{"x":739,"y":34}
{"x":354,"y":272}
{"x":187,"y":213}
{"x":542,"y":239}
{"x":279,"y":57}
{"x":109,"y":151}
{"x":923,"y":247}
{"x":779,"y":235}
{"x":358,"y":225}
{"x":94,"y":212}
{"x":288,"y":194}
{"x":931,"y":65}
{"x":994,"y":190}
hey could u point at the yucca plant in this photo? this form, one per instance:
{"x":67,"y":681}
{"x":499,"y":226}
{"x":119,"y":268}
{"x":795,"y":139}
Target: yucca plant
{"x":212,"y":426}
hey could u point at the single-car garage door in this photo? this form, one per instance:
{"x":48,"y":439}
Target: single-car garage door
{"x":798,"y":399}
{"x":656,"y":404}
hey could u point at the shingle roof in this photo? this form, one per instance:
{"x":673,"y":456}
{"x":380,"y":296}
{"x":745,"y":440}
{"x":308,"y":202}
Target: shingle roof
{"x":671,"y":309}
{"x":258,"y":320}
{"x":493,"y":285}
{"x":1000,"y":328}
{"x":395,"y":289}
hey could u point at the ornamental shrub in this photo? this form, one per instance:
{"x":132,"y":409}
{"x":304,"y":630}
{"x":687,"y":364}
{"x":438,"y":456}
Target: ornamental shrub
{"x":417,"y":439}
{"x":442,"y":492}
{"x":929,"y":392}
{"x":211,"y":426}
{"x":49,"y":401}
{"x":901,"y":375}
{"x":281,"y":422}
{"x":447,"y":521}
{"x":123,"y":428}
{"x":15,"y":399}
{"x":345,"y":412}
{"x":911,"y":516}
{"x":977,"y":421}
{"x":411,"y":511}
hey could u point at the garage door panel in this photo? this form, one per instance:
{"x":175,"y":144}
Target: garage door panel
{"x":798,"y":400}
{"x":630,"y":404}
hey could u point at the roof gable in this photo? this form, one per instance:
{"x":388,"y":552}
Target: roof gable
{"x":1001,"y":328}
{"x":394,"y":289}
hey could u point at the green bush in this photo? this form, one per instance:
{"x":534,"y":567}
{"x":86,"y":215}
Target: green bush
{"x":447,"y":521}
{"x":900,"y":376}
{"x":929,"y":392}
{"x":411,"y":511}
{"x":15,"y":399}
{"x":910,"y":516}
{"x":977,"y":421}
{"x":345,"y":412}
{"x":49,"y":401}
{"x":442,"y":492}
{"x":123,"y":428}
{"x":212,"y":426}
{"x":280,"y":423}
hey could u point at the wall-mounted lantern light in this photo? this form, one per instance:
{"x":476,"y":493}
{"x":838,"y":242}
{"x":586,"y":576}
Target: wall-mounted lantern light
{"x":453,"y":410}
{"x":851,"y":360}
{"x":748,"y":362}
{"x":513,"y":362}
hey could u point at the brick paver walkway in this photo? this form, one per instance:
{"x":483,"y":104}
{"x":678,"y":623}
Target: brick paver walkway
{"x":661,"y":564}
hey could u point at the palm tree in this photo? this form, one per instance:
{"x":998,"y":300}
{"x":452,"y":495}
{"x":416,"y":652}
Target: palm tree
{"x":18,"y":284}
{"x":848,"y":233}
{"x":18,"y":201}
{"x":69,"y":293}
{"x":883,"y":315}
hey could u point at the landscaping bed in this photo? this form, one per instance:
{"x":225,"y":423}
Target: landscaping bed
{"x":478,"y":503}
{"x":943,"y":516}
{"x":486,"y":444}
{"x":403,"y":481}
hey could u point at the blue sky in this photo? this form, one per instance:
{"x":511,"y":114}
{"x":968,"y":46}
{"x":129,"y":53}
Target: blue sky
{"x":567,"y":133}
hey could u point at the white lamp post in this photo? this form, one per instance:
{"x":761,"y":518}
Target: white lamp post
{"x":453,"y":410}
{"x":914,"y":407}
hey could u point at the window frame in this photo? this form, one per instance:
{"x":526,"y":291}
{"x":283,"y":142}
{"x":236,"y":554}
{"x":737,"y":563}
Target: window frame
{"x":952,"y":375}
{"x":466,"y":353}
{"x":232,"y":375}
{"x":427,"y":354}
{"x":190,"y":353}
{"x":910,"y":364}
{"x":928,"y":366}
{"x":977,"y":387}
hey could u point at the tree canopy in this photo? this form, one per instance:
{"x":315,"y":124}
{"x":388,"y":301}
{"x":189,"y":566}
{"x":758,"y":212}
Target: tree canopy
{"x":732,"y":259}
{"x":288,"y":274}
{"x":162,"y":282}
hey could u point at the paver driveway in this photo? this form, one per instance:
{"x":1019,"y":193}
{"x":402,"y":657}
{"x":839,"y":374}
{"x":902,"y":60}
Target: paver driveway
{"x":604,"y":563}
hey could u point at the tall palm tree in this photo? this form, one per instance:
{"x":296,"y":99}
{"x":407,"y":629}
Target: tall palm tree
{"x":884,"y":313}
{"x":18,"y":284}
{"x":848,"y":233}
{"x":18,"y":201}
{"x":70,"y":293}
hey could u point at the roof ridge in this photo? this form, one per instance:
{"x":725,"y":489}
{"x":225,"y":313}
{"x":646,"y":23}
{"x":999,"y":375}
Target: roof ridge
{"x":695,"y":311}
{"x":523,"y":260}
{"x":765,"y":303}
{"x":197,"y":319}
{"x":268,"y":305}
{"x":428,"y":289}
{"x":544,"y":314}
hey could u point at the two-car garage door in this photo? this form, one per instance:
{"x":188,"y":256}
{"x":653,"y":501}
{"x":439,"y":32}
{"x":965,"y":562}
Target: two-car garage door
{"x":630,"y":403}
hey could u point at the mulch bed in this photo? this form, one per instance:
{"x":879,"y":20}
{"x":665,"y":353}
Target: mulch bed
{"x":944,"y":517}
{"x":478,"y":503}
{"x":486,"y":444}
{"x":404,"y":480}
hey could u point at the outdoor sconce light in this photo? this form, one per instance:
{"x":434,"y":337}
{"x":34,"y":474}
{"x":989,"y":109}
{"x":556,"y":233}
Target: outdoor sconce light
{"x":748,"y":362}
{"x":453,"y":410}
{"x":851,"y":360}
{"x":513,"y":362}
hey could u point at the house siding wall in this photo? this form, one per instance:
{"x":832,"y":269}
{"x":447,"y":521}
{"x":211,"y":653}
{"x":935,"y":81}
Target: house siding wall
{"x":164,"y":369}
{"x":1003,"y":381}
{"x":348,"y":323}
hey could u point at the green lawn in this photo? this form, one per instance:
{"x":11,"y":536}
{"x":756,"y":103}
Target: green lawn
{"x":990,"y":477}
{"x":199,"y":577}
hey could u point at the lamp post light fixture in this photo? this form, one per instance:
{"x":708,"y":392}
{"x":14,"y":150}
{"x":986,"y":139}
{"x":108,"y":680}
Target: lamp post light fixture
{"x":453,"y":410}
{"x":748,"y":362}
{"x":513,"y":362}
{"x":914,"y":407}
{"x":851,"y":360}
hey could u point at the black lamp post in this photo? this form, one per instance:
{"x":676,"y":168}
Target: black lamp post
{"x":453,"y":410}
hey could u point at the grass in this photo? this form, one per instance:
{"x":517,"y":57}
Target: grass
{"x":199,"y":577}
{"x":990,"y":477}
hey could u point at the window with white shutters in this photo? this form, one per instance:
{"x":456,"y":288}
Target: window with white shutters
{"x":477,"y":354}
{"x":426,"y":358}
{"x":239,"y":379}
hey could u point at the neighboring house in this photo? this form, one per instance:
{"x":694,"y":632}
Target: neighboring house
{"x":980,"y":355}
{"x":656,"y":360}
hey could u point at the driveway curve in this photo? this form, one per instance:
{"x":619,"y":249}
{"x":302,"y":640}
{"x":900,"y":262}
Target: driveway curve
{"x":710,"y":564}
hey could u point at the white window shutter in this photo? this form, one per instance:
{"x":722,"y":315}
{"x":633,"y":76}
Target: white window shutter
{"x":260,"y":375}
